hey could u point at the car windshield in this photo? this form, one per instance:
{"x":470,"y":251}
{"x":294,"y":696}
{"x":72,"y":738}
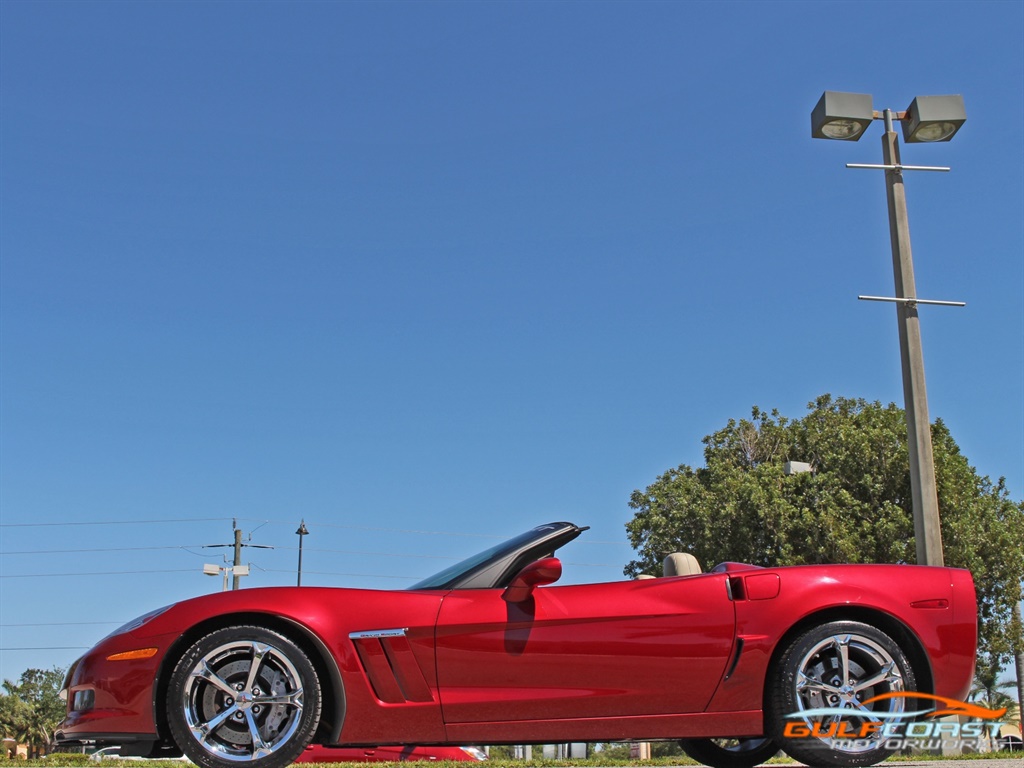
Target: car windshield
{"x":454,"y":574}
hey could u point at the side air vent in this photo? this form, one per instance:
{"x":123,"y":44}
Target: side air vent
{"x":737,"y":590}
{"x":391,"y":666}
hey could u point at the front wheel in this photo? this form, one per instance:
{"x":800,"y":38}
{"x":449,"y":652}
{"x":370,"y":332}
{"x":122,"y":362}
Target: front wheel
{"x":730,"y":753}
{"x":833,"y":688}
{"x":243,"y":697}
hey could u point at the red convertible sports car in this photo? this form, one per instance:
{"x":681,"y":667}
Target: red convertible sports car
{"x":485,"y":652}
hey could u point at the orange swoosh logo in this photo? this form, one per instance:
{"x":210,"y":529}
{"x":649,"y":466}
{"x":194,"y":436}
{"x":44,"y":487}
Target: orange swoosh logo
{"x":952,"y":706}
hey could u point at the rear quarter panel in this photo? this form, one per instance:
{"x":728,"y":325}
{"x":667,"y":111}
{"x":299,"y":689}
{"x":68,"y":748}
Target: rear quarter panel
{"x":937,"y":606}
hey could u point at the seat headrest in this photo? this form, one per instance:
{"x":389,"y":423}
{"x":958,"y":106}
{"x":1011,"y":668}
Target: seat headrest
{"x":680,"y":564}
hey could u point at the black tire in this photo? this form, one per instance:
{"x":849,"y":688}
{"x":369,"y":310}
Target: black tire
{"x":730,"y":753}
{"x":243,"y":697}
{"x":837,"y":665}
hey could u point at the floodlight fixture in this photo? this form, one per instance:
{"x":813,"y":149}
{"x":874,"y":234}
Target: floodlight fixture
{"x":933,"y":118}
{"x":211,"y":570}
{"x":842,"y":116}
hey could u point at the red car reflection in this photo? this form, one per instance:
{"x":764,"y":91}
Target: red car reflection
{"x":320,"y":754}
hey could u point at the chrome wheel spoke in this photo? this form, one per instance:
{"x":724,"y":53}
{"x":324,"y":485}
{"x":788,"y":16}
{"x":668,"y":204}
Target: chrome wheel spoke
{"x":858,"y":707}
{"x":203,"y":731}
{"x":805,"y":682}
{"x":842,"y":645}
{"x":293,"y":699}
{"x":888,"y":674}
{"x":259,"y":650}
{"x":204,"y":672}
{"x":260,"y":748}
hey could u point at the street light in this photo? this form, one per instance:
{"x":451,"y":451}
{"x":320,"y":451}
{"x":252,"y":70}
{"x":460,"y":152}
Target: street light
{"x":226,"y":571}
{"x":933,"y":118}
{"x":846,"y":116}
{"x":300,"y":533}
{"x":843,"y":116}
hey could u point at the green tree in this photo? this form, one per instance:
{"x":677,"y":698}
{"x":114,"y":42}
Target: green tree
{"x":14,"y":718}
{"x":853,"y":507}
{"x":606,"y":751}
{"x":501,"y":752}
{"x":990,"y":692}
{"x":35,"y":706}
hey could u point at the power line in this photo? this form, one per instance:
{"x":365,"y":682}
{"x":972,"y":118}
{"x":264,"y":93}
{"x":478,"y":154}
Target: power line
{"x":65,"y":624}
{"x":249,"y":519}
{"x":329,"y":573}
{"x":410,"y":530}
{"x":102,"y":549}
{"x":377,"y":529}
{"x":380,"y":529}
{"x":117,"y":522}
{"x":375,"y":554}
{"x":188,"y":547}
{"x":96,"y":573}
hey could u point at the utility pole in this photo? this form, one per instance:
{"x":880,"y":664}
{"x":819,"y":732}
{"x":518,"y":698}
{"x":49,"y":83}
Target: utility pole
{"x":237,"y":569}
{"x":238,"y":557}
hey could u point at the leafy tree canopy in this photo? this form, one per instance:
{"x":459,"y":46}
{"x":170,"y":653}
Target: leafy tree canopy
{"x":31,"y":709}
{"x":989,"y":691}
{"x":14,"y":717}
{"x":853,"y":507}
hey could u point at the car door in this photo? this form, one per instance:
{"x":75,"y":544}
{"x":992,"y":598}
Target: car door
{"x":626,"y":648}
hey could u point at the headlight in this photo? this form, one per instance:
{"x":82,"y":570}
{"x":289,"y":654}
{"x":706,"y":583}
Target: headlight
{"x":67,"y":680}
{"x":136,"y":623}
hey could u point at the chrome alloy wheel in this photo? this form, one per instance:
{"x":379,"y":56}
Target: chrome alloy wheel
{"x":842,"y":672}
{"x":243,"y":700}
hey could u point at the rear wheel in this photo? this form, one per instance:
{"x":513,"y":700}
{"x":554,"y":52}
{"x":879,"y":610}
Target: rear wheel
{"x":831,"y":687}
{"x":243,"y":697}
{"x":730,"y":753}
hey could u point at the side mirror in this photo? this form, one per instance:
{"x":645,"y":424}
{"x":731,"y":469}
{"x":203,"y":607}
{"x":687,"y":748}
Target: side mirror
{"x":536,"y":574}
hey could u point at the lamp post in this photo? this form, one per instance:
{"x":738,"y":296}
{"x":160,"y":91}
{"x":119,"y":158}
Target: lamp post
{"x":845,"y":117}
{"x":300,"y":533}
{"x":226,"y":571}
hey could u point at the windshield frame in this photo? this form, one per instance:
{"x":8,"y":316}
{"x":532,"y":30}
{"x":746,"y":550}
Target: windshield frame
{"x":496,"y":566}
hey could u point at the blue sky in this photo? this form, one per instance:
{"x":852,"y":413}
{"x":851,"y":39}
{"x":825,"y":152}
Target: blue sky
{"x":427,"y":274}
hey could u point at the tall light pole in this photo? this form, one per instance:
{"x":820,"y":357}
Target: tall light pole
{"x":846,"y":116}
{"x":300,"y":533}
